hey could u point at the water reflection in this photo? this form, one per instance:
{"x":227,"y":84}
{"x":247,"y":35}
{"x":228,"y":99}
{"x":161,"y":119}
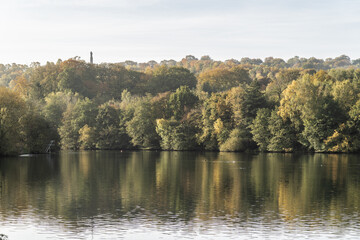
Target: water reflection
{"x":109,"y":194}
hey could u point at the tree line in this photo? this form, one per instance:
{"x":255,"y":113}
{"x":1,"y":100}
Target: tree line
{"x":228,"y":106}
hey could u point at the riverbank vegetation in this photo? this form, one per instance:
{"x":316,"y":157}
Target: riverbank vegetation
{"x":194,"y":104}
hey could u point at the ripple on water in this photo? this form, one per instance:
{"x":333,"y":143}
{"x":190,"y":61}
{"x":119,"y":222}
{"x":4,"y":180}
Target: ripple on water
{"x":175,"y":196}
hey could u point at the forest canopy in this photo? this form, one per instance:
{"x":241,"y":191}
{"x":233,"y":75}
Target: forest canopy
{"x":302,"y":104}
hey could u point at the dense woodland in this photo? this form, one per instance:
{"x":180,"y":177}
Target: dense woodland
{"x":194,"y":104}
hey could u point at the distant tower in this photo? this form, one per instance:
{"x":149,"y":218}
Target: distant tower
{"x":91,"y":58}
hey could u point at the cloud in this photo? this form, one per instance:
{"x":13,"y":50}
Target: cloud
{"x":82,"y":3}
{"x":156,"y":29}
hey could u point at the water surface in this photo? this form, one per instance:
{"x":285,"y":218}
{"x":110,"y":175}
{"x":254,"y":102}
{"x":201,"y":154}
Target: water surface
{"x":180,"y":195}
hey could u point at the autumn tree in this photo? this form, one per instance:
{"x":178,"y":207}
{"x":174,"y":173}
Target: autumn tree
{"x":222,"y":79}
{"x":309,"y":105}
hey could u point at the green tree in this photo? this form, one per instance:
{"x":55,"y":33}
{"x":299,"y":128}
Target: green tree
{"x":87,"y":137}
{"x":346,"y":138}
{"x":12,"y":110}
{"x":78,"y":76}
{"x":142,"y":127}
{"x":38,"y":132}
{"x":274,"y":62}
{"x":242,"y":116}
{"x":43,"y":80}
{"x":259,"y":128}
{"x":309,"y":105}
{"x":283,"y":137}
{"x":171,"y":135}
{"x":170,"y":78}
{"x":321,"y":123}
{"x":10,"y":72}
{"x":279,"y":83}
{"x":346,"y":93}
{"x":182,"y":101}
{"x":110,"y":134}
{"x":114,"y":78}
{"x":55,"y":106}
{"x":237,"y":141}
{"x":217,"y":121}
{"x":76,"y":117}
{"x":253,"y":99}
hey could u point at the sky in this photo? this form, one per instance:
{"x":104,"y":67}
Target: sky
{"x":144,"y":30}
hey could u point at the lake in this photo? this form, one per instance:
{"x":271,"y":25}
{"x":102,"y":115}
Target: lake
{"x":180,"y":195}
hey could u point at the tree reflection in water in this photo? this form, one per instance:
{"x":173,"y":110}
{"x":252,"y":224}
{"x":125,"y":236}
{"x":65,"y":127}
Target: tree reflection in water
{"x":83,"y":190}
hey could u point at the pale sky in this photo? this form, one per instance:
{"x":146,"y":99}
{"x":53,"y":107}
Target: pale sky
{"x":143,"y":30}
